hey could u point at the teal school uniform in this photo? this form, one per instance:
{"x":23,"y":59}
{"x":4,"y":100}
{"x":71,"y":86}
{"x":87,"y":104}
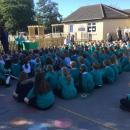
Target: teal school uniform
{"x":37,"y":66}
{"x":15,"y":70}
{"x":97,"y":77}
{"x":116,"y":70}
{"x":124,"y":61}
{"x":75,"y":75}
{"x":88,"y":64}
{"x":87,"y":83}
{"x":52,"y":78}
{"x":127,"y":68}
{"x":44,"y":100}
{"x":68,"y":90}
{"x":108,"y":74}
{"x":43,"y":59}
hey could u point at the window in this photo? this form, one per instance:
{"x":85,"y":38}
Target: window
{"x":91,"y":27}
{"x":71,"y":27}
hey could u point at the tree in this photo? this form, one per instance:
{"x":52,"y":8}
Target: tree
{"x":48,"y":14}
{"x":16,"y":15}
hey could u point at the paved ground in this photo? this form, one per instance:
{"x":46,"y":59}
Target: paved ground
{"x":99,"y":111}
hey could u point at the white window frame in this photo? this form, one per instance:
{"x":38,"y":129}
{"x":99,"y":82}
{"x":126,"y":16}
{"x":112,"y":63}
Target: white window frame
{"x":91,"y":27}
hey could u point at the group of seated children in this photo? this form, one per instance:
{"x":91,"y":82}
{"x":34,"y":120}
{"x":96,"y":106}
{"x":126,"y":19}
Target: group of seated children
{"x":64,"y":72}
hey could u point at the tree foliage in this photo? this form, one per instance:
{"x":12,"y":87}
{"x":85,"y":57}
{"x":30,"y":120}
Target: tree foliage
{"x":48,"y":14}
{"x":16,"y":15}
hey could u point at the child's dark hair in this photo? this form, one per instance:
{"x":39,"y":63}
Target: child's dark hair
{"x":81,"y":60}
{"x":49,"y":61}
{"x":113,"y":59}
{"x":107,"y":62}
{"x":96,"y":65}
{"x":41,"y":86}
{"x":26,"y":62}
{"x":83,"y":68}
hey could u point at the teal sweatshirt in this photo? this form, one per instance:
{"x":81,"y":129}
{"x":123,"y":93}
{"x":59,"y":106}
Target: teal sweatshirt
{"x":68,"y":89}
{"x":87,"y":83}
{"x":97,"y":77}
{"x":108,"y":74}
{"x":44,"y":100}
{"x":52,"y":78}
{"x":116,"y":70}
{"x":75,"y":75}
{"x":15,"y":70}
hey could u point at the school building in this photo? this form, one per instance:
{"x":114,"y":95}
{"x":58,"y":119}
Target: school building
{"x":95,"y":21}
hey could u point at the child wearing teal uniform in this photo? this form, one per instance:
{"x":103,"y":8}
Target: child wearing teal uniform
{"x":66,"y":85}
{"x":51,"y":77}
{"x":40,"y":96}
{"x":15,"y":69}
{"x":43,"y":59}
{"x":108,"y":72}
{"x":74,"y":73}
{"x":86,"y":81}
{"x":115,"y":67}
{"x":97,"y":75}
{"x":124,"y":61}
{"x":38,"y":65}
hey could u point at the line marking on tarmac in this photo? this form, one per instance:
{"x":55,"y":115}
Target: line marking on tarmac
{"x":86,"y":118}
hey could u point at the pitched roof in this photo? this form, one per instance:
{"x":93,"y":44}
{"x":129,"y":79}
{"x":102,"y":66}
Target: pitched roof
{"x":127,"y":11}
{"x":95,"y":12}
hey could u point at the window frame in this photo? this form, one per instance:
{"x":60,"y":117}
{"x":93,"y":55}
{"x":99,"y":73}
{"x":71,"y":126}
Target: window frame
{"x":91,"y":27}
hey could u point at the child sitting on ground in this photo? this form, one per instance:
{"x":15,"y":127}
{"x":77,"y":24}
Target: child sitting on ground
{"x":74,"y":71}
{"x":51,"y":76}
{"x":38,"y":65}
{"x":97,"y":75}
{"x":67,"y":88}
{"x":24,"y":85}
{"x":108,"y":72}
{"x":26,"y":67}
{"x":15,"y":69}
{"x":115,"y":66}
{"x":40,"y":96}
{"x":86,"y":81}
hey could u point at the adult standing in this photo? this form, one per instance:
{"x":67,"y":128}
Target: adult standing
{"x":20,"y":41}
{"x":126,"y":37}
{"x":119,"y":34}
{"x":109,"y":38}
{"x":4,"y":39}
{"x":73,"y":39}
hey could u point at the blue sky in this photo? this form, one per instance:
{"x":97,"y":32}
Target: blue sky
{"x":66,"y":7}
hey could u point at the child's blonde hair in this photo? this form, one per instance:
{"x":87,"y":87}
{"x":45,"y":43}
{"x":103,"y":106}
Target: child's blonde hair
{"x":66,"y":73}
{"x":72,"y":64}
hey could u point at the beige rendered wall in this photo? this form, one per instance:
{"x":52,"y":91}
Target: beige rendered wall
{"x":98,"y":35}
{"x":111,"y":25}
